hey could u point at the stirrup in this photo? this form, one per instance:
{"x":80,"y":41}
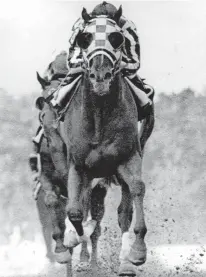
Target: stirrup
{"x":35,"y":163}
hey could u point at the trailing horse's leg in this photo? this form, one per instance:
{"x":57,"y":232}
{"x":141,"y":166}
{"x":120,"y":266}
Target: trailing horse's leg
{"x":57,"y":212}
{"x":57,"y":147}
{"x":46,"y":225}
{"x":79,"y":198}
{"x":97,"y":211}
{"x":58,"y":153}
{"x":130,"y":174}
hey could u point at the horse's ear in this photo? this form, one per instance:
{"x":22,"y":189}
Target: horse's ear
{"x":40,"y":101}
{"x":85,"y":15}
{"x":42,"y":81}
{"x":118,"y":14}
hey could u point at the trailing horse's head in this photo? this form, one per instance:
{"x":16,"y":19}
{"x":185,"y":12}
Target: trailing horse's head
{"x":101,"y":44}
{"x":48,"y":88}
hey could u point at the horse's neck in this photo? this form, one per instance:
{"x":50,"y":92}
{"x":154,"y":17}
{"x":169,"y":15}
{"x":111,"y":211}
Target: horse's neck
{"x":101,"y":109}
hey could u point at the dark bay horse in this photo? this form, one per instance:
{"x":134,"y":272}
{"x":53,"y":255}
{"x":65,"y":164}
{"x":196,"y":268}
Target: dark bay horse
{"x":99,"y":139}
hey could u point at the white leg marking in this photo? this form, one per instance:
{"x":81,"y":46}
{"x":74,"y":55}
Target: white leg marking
{"x":125,"y":246}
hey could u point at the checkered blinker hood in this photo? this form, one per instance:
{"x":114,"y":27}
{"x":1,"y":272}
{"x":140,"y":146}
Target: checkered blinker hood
{"x":102,"y":36}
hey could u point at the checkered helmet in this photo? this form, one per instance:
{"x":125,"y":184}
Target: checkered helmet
{"x":104,"y":8}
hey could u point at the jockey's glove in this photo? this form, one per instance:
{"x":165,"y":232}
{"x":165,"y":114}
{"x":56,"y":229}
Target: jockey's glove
{"x":77,"y":70}
{"x":123,"y":65}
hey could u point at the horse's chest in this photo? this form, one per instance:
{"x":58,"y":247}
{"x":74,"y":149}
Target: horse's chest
{"x":102,"y":157}
{"x":100,"y":145}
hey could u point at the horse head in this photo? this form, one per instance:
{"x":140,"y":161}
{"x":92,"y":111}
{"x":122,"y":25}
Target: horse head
{"x":101,"y":43}
{"x":42,"y":102}
{"x":48,"y":87}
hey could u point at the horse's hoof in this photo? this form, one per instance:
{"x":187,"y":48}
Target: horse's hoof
{"x":71,"y":239}
{"x":137,"y":257}
{"x":83,"y":266}
{"x":63,"y":257}
{"x":127,"y":269}
{"x":51,"y":257}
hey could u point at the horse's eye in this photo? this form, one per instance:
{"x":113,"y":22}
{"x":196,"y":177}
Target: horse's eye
{"x":107,"y":76}
{"x":116,"y":39}
{"x":84,"y":40}
{"x":92,"y":76}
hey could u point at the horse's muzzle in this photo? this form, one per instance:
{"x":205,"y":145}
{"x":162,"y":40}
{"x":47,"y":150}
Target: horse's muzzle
{"x":101,"y":88}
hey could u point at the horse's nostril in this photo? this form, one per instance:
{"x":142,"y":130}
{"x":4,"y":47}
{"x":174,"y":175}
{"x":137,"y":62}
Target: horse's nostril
{"x":92,"y":76}
{"x":108,"y":76}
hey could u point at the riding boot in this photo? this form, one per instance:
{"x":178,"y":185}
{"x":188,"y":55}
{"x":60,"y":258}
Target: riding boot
{"x":65,"y":90}
{"x":144,"y":96}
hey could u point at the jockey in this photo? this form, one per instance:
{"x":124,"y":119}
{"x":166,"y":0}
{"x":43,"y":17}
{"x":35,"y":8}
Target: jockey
{"x":130,"y":59}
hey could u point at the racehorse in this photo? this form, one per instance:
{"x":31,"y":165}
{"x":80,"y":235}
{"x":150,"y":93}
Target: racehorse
{"x":99,"y":138}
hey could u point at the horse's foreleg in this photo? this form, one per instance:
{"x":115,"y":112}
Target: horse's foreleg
{"x":58,"y":153}
{"x":97,"y":212}
{"x":46,"y":225}
{"x":57,"y":212}
{"x":74,"y":207}
{"x":130,"y":174}
{"x":78,"y":205}
{"x":57,"y":147}
{"x":125,"y":212}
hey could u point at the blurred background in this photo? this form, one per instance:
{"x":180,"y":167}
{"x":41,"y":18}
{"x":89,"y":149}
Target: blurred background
{"x":173,"y":43}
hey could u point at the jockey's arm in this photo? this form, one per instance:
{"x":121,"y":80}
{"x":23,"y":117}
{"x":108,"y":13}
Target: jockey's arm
{"x":131,"y":55}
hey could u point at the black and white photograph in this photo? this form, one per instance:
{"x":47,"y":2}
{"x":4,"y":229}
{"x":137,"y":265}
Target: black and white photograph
{"x":103,"y":138}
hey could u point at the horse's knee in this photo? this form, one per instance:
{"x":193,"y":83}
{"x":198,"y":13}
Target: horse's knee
{"x":140,"y":230}
{"x":124,"y":216}
{"x":98,"y":230}
{"x":75,"y":214}
{"x":57,"y":233}
{"x":51,"y":199}
{"x":137,"y":189}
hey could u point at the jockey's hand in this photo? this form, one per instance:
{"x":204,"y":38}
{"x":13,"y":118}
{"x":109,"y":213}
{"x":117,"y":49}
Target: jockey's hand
{"x":73,"y":71}
{"x":125,"y":72}
{"x":123,"y":65}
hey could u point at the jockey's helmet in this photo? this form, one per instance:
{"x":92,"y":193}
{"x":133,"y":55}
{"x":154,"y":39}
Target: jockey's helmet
{"x":104,"y":9}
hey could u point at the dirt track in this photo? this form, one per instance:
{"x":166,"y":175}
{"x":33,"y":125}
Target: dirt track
{"x":168,"y":259}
